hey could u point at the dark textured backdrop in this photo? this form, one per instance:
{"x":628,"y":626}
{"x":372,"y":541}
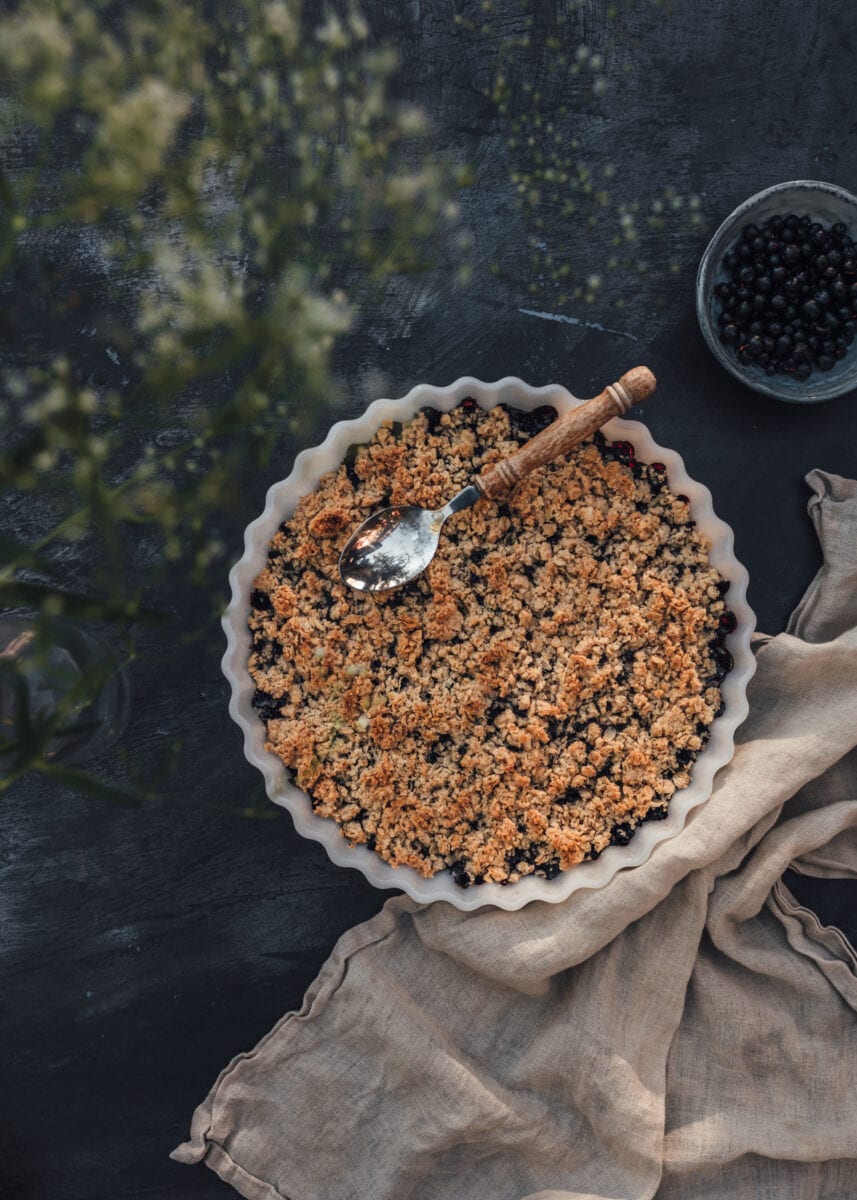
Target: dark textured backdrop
{"x":141,"y":951}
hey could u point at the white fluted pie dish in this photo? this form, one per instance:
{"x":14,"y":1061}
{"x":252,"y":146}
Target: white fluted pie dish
{"x":281,"y":501}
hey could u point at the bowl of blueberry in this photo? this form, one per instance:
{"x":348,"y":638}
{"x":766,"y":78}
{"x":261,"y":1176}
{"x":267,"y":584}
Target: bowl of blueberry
{"x":776,"y":292}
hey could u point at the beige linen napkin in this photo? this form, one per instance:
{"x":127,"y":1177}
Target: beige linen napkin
{"x":689,"y":1031}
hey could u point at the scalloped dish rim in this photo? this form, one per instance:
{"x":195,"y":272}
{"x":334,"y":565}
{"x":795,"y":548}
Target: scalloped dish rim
{"x":280,"y":503}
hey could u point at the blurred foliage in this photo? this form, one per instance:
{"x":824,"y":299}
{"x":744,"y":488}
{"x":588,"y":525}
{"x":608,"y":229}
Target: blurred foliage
{"x":207,"y":177}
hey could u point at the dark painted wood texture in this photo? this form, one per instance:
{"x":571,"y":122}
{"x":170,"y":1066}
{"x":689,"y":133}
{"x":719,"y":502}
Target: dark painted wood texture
{"x":142,"y":950}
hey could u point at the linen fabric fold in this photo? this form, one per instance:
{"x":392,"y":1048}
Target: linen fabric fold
{"x":688,"y":1031}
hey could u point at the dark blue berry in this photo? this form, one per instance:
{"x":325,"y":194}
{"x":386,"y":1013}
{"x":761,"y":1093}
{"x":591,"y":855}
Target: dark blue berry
{"x":621,"y":834}
{"x":729,"y":335}
{"x":459,"y":875}
{"x":728,"y":622}
{"x":723,"y":662}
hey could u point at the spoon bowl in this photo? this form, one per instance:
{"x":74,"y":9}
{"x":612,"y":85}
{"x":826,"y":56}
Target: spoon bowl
{"x":396,"y":544}
{"x":391,"y":548}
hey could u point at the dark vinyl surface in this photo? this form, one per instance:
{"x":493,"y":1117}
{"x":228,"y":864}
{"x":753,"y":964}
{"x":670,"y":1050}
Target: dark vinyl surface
{"x":142,"y":950}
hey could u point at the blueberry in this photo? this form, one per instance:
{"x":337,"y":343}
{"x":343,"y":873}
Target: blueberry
{"x":459,"y":875}
{"x":432,"y":417}
{"x":723,"y":661}
{"x":826,"y":362}
{"x":729,"y":335}
{"x":811,"y":310}
{"x":621,"y":834}
{"x":832,"y":322}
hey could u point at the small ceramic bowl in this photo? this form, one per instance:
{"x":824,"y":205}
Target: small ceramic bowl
{"x":281,"y":501}
{"x":825,"y":203}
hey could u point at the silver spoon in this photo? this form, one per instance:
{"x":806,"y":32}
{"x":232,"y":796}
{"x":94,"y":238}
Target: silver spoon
{"x":396,"y":544}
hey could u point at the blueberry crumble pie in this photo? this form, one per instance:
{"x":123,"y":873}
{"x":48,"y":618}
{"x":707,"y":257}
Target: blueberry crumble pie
{"x":542,"y":689}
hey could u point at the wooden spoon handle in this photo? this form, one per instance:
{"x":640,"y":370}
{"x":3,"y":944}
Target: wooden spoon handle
{"x":566,"y":431}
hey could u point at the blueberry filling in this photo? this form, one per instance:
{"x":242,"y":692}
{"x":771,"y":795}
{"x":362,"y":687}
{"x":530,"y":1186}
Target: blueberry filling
{"x":526,"y":425}
{"x":265,"y":704}
{"x":728,"y":622}
{"x":459,"y":875}
{"x":723,"y":661}
{"x":432,"y":417}
{"x":621,"y":834}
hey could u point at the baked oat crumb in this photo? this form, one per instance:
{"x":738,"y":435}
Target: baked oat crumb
{"x":539,"y":692}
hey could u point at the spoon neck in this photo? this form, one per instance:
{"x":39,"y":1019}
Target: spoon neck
{"x":465,"y":498}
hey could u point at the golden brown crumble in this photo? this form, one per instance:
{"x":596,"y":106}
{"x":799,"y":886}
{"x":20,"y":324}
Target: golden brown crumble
{"x":542,"y":689}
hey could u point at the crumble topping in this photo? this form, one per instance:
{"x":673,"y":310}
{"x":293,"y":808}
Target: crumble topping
{"x":542,"y":689}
